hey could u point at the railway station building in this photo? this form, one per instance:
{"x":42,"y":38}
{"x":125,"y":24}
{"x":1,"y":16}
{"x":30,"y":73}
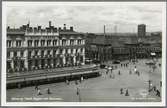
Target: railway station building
{"x":122,"y":46}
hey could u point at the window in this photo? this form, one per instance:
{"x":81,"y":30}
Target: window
{"x":36,"y":52}
{"x":29,"y":42}
{"x":8,"y":54}
{"x":54,"y":42}
{"x":60,"y":51}
{"x":81,"y":50}
{"x":71,"y":42}
{"x":36,"y":42}
{"x":66,"y":51}
{"x":63,"y":42}
{"x":42,"y":53}
{"x":79,"y":41}
{"x":18,"y":43}
{"x":22,"y":64}
{"x":48,"y":52}
{"x":42,"y":42}
{"x":48,"y":42}
{"x":9,"y":43}
{"x":29,"y":53}
{"x":21,"y":53}
{"x":15,"y":54}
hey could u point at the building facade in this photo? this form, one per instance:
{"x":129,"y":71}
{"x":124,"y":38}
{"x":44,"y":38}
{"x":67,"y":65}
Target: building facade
{"x":123,"y":47}
{"x":34,"y":48}
{"x":142,"y":30}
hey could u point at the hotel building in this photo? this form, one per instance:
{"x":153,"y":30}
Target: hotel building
{"x":34,"y":48}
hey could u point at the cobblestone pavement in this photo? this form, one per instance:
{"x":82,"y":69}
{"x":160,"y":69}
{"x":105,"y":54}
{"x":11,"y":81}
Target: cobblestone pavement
{"x":105,"y":88}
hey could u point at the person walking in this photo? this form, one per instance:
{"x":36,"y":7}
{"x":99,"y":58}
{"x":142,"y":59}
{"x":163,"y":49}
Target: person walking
{"x":138,"y":73}
{"x":19,"y":86}
{"x":130,"y":72}
{"x":82,"y":78}
{"x":36,"y":87}
{"x":119,"y":73}
{"x":154,"y":88}
{"x":48,"y":91}
{"x":76,"y":82}
{"x":67,"y":82}
{"x":160,"y":83}
{"x":39,"y":92}
{"x":121,"y":91}
{"x":127,"y":92}
{"x":158,"y":93}
{"x":77,"y":91}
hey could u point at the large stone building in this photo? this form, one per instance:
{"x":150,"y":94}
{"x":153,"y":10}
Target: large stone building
{"x":104,"y":47}
{"x":33,"y":48}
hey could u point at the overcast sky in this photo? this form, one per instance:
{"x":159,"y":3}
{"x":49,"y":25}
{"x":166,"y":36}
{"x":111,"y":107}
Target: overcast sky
{"x":88,"y":18}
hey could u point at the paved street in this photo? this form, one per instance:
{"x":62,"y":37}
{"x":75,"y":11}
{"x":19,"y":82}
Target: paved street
{"x":100,"y":89}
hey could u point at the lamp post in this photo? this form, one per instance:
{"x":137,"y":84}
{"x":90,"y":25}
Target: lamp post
{"x":78,"y":93}
{"x":149,"y":85}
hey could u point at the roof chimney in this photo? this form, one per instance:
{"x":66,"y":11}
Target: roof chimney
{"x":39,"y":27}
{"x":71,"y":28}
{"x":59,"y":29}
{"x":50,"y":24}
{"x":104,"y":30}
{"x":64,"y":27}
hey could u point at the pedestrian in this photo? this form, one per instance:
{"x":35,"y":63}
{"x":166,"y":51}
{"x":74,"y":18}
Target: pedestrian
{"x":39,"y":92}
{"x":135,"y":70}
{"x":19,"y":86}
{"x":158,"y":93}
{"x":82,"y":78}
{"x":138,"y":73}
{"x":36,"y":87}
{"x":113,"y":76}
{"x":127,"y":93}
{"x":67,"y":82}
{"x":130,"y":72}
{"x":48,"y":91}
{"x":121,"y":91}
{"x":76,"y":82}
{"x":107,"y":72}
{"x":154,"y":88}
{"x":160,"y":83}
{"x":77,"y":91}
{"x":119,"y":73}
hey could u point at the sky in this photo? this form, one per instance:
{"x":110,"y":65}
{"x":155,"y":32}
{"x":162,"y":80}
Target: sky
{"x":87,"y":17}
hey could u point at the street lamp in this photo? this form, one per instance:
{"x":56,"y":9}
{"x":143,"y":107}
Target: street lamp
{"x":78,"y":93}
{"x":149,"y":85}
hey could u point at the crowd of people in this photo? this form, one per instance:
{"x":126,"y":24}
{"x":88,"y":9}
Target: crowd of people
{"x":111,"y":73}
{"x":37,"y":88}
{"x":132,"y":71}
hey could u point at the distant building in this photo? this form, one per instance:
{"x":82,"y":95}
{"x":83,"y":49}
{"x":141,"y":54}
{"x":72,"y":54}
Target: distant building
{"x":142,"y":30}
{"x":34,"y":48}
{"x":121,"y":46}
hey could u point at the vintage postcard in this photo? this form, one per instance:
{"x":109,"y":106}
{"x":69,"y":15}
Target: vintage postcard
{"x":83,"y":53}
